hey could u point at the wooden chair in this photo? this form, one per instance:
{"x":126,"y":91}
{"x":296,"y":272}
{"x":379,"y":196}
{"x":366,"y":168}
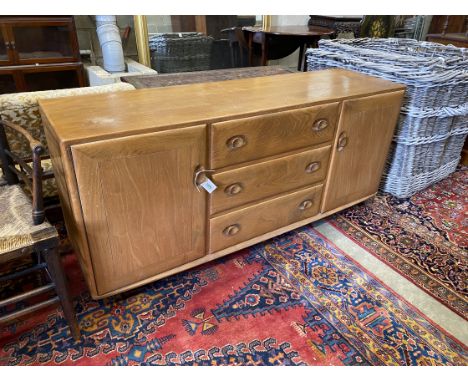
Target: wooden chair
{"x":24,"y":231}
{"x":238,"y":45}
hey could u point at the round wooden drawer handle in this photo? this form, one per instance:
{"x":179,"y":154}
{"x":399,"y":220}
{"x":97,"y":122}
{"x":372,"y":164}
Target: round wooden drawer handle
{"x":233,"y":189}
{"x":320,"y":124}
{"x":342,"y":141}
{"x":312,"y":167}
{"x":231,"y":230}
{"x":236,"y":142}
{"x":306,"y":204}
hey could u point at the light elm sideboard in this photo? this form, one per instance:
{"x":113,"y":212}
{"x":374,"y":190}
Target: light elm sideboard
{"x":283,"y":151}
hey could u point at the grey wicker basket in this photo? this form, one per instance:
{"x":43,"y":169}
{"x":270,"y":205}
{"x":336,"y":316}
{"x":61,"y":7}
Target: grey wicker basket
{"x":433,"y":121}
{"x":180,"y":52}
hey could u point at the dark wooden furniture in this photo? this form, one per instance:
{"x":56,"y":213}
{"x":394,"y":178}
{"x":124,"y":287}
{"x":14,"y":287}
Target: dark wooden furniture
{"x":456,"y":39}
{"x":171,"y":79}
{"x":339,"y":24}
{"x":283,"y":151}
{"x":238,"y":46}
{"x":448,"y":24}
{"x":39,"y":53}
{"x":279,"y":42}
{"x":23,"y":235}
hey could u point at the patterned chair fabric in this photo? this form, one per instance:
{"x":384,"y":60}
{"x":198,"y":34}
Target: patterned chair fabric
{"x":23,"y":109}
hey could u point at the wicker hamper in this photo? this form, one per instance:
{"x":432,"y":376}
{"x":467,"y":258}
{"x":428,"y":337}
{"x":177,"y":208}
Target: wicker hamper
{"x":433,"y":121}
{"x":180,"y":52}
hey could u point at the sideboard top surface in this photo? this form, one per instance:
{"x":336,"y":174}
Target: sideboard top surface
{"x":94,"y":117}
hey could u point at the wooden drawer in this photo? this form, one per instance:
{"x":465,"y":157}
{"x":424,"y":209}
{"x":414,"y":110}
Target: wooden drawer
{"x":256,"y":182}
{"x":246,"y":223}
{"x":247,"y":139}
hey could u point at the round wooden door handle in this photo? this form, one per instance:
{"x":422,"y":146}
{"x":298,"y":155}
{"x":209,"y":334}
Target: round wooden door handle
{"x":312,"y":167}
{"x":236,"y":142}
{"x":320,"y":124}
{"x":231,"y":230}
{"x":233,"y":189}
{"x":342,"y":141}
{"x":306,"y":204}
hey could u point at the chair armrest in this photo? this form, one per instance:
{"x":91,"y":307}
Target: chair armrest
{"x":31,"y":176}
{"x":33,"y":143}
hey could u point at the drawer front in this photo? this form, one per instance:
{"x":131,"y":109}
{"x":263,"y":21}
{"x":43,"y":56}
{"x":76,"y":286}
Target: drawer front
{"x":263,"y":180}
{"x":247,"y":139}
{"x":246,"y":223}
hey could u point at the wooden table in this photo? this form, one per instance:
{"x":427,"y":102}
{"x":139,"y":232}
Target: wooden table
{"x":340,"y":24}
{"x":163,"y":80}
{"x":279,"y":42}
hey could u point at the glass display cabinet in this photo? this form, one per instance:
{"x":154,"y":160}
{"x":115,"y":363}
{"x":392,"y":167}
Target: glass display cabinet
{"x":39,"y":53}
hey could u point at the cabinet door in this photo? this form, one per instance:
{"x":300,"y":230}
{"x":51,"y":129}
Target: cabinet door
{"x":43,"y":40}
{"x":362,"y":141}
{"x":6,"y":52}
{"x":142,"y":213}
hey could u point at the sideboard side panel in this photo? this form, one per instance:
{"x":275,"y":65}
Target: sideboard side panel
{"x":65,"y":180}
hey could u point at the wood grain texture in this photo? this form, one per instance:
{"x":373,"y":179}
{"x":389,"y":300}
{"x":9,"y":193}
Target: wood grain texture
{"x":263,"y":217}
{"x":272,"y":177}
{"x":114,"y":114}
{"x":73,"y":218}
{"x":142,"y":213}
{"x":247,"y":243}
{"x":271,"y":134}
{"x":362,"y":141}
{"x":134,"y":215}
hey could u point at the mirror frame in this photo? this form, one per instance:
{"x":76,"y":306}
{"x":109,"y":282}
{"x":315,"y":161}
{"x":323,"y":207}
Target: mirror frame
{"x":141,"y":35}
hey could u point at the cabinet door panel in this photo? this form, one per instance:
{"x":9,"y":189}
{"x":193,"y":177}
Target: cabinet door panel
{"x":362,"y":141}
{"x":43,"y":41}
{"x":142,"y":213}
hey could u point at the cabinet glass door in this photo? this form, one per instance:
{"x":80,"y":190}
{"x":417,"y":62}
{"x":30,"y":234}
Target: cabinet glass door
{"x":6,"y":56}
{"x":40,"y":43}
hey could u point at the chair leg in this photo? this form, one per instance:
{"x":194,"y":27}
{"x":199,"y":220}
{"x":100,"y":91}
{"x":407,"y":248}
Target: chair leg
{"x":54,"y":265}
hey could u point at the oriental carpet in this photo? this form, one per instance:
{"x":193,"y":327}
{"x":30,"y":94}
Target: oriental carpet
{"x":293,"y":300}
{"x":424,"y":237}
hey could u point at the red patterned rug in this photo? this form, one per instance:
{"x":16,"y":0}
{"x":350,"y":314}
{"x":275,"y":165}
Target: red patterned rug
{"x":294,"y":300}
{"x":424,"y":238}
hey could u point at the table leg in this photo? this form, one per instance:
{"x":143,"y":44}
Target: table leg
{"x":250,"y":48}
{"x":264,"y":50}
{"x":301,"y":57}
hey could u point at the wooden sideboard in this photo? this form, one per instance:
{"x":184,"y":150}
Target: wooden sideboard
{"x":283,"y":151}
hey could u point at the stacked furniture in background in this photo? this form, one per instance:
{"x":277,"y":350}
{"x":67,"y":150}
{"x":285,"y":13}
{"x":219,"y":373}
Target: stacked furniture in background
{"x":180,"y":52}
{"x":433,"y":120}
{"x":342,"y":25}
{"x":39,"y":53}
